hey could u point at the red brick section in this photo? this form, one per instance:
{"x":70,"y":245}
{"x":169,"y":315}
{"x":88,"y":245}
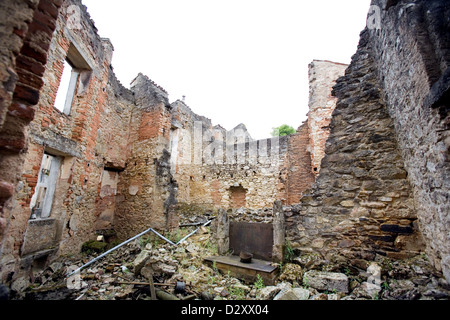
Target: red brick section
{"x":155,"y":122}
{"x":29,"y":69}
{"x":31,"y":173}
{"x":238,"y":195}
{"x":33,"y":55}
{"x":300,"y":177}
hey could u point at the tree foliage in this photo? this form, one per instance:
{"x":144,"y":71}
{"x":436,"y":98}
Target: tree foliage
{"x":283,"y":130}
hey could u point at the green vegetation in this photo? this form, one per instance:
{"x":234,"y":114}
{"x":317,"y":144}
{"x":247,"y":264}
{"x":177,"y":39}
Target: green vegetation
{"x":289,"y":253}
{"x":283,"y":130}
{"x":93,"y":247}
{"x":259,"y":283}
{"x":237,"y":293}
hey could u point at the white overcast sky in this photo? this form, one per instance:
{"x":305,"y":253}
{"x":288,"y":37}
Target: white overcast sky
{"x":236,"y":61}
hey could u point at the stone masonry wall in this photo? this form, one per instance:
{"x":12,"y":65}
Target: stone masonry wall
{"x":26,"y":29}
{"x":212,"y":185}
{"x":208,"y":168}
{"x":384,"y":181}
{"x":88,"y":140}
{"x":265,"y":170}
{"x":361,"y":204}
{"x":412,"y":52}
{"x":146,"y":190}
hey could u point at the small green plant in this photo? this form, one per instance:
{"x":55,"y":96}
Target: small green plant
{"x":214,"y":267}
{"x":212,"y":280}
{"x":237,"y":293}
{"x":334,"y":291}
{"x":259,"y":283}
{"x":155,"y":242}
{"x":385,"y":286}
{"x":388,"y":264}
{"x":289,"y":253}
{"x":306,"y":282}
{"x":211,"y":247}
{"x":347,"y":271}
{"x":143,"y":241}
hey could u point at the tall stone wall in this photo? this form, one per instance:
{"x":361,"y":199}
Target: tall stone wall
{"x":384,"y":181}
{"x":90,"y":140}
{"x":213,"y":186}
{"x":412,"y":53}
{"x":361,"y":204}
{"x":147,"y":189}
{"x":215,"y":168}
{"x":26,"y":29}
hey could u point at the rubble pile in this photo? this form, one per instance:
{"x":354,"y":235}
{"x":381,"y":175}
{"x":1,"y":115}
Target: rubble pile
{"x":150,"y":268}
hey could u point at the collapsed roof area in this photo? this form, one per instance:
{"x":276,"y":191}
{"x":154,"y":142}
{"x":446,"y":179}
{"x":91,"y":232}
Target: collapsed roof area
{"x":367,"y":174}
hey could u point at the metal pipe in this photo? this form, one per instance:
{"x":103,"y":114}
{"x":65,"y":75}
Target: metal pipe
{"x":162,"y":237}
{"x":131,"y":239}
{"x":109,"y":251}
{"x":192,"y":233}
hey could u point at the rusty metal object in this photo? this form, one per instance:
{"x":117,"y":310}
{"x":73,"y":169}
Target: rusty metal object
{"x":256,"y":238}
{"x":246,"y":257}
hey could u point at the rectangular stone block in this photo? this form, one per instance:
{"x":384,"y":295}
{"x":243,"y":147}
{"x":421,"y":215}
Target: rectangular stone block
{"x":326,"y":281}
{"x":40,"y":235}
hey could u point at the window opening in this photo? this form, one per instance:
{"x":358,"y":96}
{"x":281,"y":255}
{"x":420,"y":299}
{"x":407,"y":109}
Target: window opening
{"x":42,"y":200}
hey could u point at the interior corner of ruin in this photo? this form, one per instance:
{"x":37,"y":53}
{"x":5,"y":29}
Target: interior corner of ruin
{"x":128,"y":188}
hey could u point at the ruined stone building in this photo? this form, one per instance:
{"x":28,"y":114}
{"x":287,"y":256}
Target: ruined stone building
{"x":366,"y":174}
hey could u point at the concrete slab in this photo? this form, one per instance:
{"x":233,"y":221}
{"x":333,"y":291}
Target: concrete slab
{"x":245,"y":271}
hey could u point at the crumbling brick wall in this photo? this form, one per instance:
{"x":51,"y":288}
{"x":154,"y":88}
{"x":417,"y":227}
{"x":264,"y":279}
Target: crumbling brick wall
{"x":322,"y":77}
{"x":26,"y":29}
{"x":299,"y":174}
{"x":83,"y":138}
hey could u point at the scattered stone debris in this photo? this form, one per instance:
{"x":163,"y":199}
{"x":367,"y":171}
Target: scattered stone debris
{"x":179,"y":273}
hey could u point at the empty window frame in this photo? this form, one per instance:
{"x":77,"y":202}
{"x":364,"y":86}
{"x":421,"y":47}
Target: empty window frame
{"x":75,"y":65}
{"x":67,"y":87}
{"x":42,"y":200}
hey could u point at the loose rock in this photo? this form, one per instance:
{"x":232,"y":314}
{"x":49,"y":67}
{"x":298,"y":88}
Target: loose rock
{"x":268,"y":293}
{"x":293,"y":294}
{"x":329,"y":281}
